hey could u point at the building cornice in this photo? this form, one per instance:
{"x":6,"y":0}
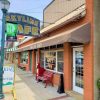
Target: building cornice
{"x":77,"y":14}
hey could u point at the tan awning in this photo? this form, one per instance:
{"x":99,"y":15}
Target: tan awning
{"x":79,"y":34}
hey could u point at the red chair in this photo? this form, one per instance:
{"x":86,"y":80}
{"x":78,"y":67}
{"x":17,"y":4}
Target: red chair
{"x":47,"y":78}
{"x":40,"y":71}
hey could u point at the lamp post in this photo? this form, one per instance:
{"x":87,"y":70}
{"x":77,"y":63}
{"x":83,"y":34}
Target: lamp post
{"x":4,"y":5}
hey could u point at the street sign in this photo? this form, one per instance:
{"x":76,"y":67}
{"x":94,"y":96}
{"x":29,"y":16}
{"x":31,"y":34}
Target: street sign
{"x":8,"y":75}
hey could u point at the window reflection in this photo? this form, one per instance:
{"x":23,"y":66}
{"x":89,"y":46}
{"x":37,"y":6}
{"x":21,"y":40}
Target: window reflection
{"x":50,"y":60}
{"x":54,"y":60}
{"x":79,"y":69}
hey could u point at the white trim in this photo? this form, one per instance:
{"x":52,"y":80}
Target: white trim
{"x":75,"y":88}
{"x":55,"y":71}
{"x":56,"y":62}
{"x":77,"y":46}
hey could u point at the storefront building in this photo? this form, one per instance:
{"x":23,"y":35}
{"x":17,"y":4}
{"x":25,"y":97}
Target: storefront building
{"x":65,"y":46}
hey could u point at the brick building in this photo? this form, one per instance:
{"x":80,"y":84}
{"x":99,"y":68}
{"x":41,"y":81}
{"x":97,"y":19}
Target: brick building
{"x":68,"y":45}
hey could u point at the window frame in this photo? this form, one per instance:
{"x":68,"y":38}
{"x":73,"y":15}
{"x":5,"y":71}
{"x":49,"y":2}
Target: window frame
{"x":59,"y":60}
{"x":43,"y":57}
{"x":55,"y":71}
{"x":25,"y":53}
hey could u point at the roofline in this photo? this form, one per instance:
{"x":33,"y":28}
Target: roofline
{"x":48,"y":5}
{"x":43,"y":20}
{"x":24,"y":41}
{"x":76,"y":29}
{"x":76,"y":14}
{"x":61,"y":22}
{"x":46,"y":8}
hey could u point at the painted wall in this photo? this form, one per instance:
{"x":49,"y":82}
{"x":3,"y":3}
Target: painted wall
{"x":96,"y":45}
{"x":68,"y":61}
{"x":88,"y":57}
{"x":26,"y":43}
{"x":60,"y":8}
{"x":33,"y":62}
{"x":56,"y":79}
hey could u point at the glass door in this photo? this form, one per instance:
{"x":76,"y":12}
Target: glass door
{"x":78,"y":83}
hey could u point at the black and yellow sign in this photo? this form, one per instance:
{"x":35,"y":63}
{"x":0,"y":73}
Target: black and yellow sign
{"x":26,"y":25}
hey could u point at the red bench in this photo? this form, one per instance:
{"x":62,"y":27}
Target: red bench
{"x":46,"y":78}
{"x":39,"y":72}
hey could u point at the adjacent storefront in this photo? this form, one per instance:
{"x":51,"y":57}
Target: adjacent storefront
{"x":24,"y":57}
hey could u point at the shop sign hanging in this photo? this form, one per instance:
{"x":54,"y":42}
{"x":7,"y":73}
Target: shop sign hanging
{"x":26,"y":25}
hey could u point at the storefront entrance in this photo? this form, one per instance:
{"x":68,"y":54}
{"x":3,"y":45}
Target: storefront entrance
{"x":78,"y":83}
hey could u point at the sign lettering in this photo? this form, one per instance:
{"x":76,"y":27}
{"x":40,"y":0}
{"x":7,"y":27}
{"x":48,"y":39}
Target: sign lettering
{"x":8,"y":76}
{"x":26,"y":25}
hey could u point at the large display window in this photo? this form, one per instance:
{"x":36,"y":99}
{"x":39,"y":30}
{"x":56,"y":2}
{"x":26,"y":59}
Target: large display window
{"x":24,"y":57}
{"x":42,"y":59}
{"x":60,"y":61}
{"x":52,"y":60}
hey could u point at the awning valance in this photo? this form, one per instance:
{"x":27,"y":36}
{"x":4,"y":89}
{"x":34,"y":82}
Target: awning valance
{"x":80,"y":34}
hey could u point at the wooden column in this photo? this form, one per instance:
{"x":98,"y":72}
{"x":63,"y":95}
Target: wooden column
{"x":38,"y":55}
{"x":67,"y":67}
{"x":33,"y":62}
{"x":28,"y":64}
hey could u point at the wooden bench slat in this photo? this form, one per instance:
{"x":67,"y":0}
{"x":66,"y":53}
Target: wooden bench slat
{"x":47,"y":77}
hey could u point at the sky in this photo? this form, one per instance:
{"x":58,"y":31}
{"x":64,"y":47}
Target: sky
{"x":32,"y":8}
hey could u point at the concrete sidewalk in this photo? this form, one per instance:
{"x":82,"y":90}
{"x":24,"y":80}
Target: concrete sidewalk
{"x":28,"y":89}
